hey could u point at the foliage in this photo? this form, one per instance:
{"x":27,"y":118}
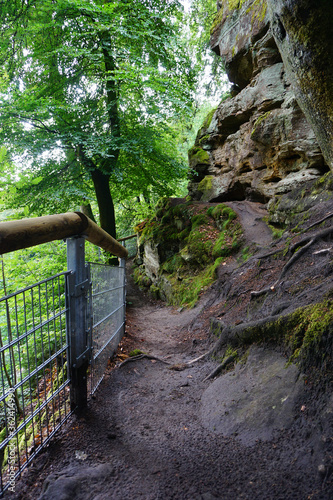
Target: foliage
{"x":28,"y":266}
{"x":208,"y":65}
{"x":89,"y":92}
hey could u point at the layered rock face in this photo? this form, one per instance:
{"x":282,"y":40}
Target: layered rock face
{"x":303,"y":32}
{"x":257,"y":143}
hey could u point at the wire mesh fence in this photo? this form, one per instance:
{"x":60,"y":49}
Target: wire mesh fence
{"x":108,"y":313}
{"x":49,"y":334}
{"x":34,"y":389}
{"x":46,"y":336}
{"x":131,"y":245}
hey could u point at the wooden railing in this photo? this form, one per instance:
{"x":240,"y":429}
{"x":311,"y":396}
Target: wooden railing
{"x":25,"y":233}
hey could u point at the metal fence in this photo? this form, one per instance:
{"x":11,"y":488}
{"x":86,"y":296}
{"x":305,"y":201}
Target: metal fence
{"x":34,"y":398}
{"x":108,"y":312}
{"x":51,"y":335}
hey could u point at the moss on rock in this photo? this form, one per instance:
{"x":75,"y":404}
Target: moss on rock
{"x":198,"y":237}
{"x":206,"y":184}
{"x":198,"y":155}
{"x":306,"y":334}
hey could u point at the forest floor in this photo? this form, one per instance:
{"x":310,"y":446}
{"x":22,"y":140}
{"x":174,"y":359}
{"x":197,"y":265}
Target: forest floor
{"x":157,"y":430}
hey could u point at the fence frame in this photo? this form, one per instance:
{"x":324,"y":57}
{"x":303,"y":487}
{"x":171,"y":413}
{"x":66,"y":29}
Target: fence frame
{"x":75,"y":227}
{"x":110,"y":344}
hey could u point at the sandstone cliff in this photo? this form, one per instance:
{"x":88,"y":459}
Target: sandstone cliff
{"x":257,"y":143}
{"x":303,"y":32}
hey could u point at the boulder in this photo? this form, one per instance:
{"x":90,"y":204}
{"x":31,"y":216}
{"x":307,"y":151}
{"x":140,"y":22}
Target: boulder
{"x":256,"y":400}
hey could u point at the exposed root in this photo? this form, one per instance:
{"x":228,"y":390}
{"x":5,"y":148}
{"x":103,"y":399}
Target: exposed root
{"x":315,"y":237}
{"x":303,"y":245}
{"x":295,"y":257}
{"x":219,"y":368}
{"x":207,"y":354}
{"x":317,"y":222}
{"x":142,"y":356}
{"x":237,"y":336}
{"x":203,"y":356}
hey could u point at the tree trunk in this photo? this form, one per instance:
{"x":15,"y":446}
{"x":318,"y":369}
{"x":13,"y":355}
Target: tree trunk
{"x":303,"y":32}
{"x":87,"y":210}
{"x":105,"y":202}
{"x":112,"y":100}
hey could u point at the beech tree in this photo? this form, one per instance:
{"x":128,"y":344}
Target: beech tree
{"x":88,"y":90}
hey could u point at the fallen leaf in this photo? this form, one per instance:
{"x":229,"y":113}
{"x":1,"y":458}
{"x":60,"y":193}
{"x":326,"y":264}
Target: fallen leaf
{"x":80,"y":455}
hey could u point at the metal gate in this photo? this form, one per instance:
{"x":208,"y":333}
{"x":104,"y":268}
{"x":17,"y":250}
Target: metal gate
{"x":34,"y":387}
{"x":52,"y":334}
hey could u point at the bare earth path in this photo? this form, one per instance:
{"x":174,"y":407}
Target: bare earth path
{"x":144,"y":436}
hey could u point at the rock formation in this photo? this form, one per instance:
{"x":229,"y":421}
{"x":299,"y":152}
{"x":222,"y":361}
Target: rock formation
{"x":257,"y":143}
{"x":303,"y":32}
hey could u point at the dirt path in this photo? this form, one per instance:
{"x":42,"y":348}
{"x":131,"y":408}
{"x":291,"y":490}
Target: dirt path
{"x":144,"y":435}
{"x":251,"y":215}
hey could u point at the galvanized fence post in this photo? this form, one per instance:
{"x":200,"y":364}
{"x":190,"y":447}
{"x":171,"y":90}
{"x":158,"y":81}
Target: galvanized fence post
{"x":122,"y":265}
{"x":78,"y":322}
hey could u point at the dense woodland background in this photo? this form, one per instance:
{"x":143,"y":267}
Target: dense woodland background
{"x":100,"y":102}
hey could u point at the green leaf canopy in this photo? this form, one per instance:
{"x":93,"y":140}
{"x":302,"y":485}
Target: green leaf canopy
{"x":89,"y":90}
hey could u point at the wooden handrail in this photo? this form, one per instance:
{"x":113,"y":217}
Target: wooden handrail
{"x":128,"y":237}
{"x":25,"y":233}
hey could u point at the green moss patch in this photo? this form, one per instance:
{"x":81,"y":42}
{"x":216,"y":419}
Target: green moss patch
{"x":309,"y":328}
{"x":306,"y":333}
{"x":135,"y":352}
{"x":194,"y":240}
{"x":206,"y":184}
{"x":187,"y":291}
{"x":208,"y":120}
{"x":198,"y":155}
{"x":141,"y":278}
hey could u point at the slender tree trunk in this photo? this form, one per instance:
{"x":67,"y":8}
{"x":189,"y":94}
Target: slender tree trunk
{"x":105,"y":202}
{"x":87,"y":210}
{"x":104,"y":199}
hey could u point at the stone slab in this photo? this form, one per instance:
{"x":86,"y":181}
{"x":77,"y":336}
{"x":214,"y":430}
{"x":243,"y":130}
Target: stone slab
{"x":255,"y":400}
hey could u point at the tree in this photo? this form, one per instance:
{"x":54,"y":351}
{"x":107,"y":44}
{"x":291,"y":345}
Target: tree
{"x":88,"y":91}
{"x":208,"y":65}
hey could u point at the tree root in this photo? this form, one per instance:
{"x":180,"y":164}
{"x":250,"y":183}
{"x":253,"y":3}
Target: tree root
{"x":317,"y":222}
{"x":142,"y":356}
{"x":207,"y":354}
{"x":240,"y":335}
{"x":304,"y":244}
{"x":203,"y":356}
{"x":219,"y":368}
{"x":320,"y":234}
